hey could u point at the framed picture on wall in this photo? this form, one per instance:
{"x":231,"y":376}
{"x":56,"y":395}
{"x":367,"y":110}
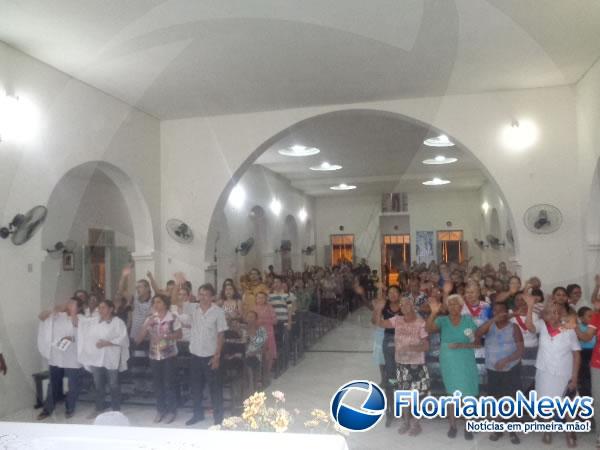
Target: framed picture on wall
{"x":68,"y":261}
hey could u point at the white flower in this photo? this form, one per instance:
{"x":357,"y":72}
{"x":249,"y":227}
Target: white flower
{"x":279,"y":396}
{"x":214,"y":428}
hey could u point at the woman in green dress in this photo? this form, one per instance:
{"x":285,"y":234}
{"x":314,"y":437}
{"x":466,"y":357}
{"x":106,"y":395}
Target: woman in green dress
{"x":457,"y":354}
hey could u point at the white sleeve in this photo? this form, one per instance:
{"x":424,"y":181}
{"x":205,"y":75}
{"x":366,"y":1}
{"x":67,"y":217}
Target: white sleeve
{"x":575,"y":345}
{"x":221,"y":322}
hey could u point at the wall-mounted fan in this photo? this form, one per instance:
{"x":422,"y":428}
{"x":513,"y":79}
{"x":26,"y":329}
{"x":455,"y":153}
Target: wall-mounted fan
{"x":309,"y":250}
{"x":60,"y":248}
{"x":245,"y":246}
{"x":510,"y":238}
{"x":543,"y":219}
{"x":481,"y":244}
{"x":180,"y":231}
{"x":24,"y":226}
{"x":494,"y":241}
{"x":286,"y":246}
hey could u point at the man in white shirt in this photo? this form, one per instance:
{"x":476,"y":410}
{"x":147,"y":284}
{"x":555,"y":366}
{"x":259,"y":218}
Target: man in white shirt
{"x":206,"y":341}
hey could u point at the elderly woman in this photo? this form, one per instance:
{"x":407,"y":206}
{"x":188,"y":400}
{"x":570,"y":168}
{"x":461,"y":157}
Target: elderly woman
{"x":103,"y":349}
{"x":411,"y":343}
{"x":457,"y":355}
{"x":164,"y":330}
{"x":558,"y":359}
{"x":56,"y":343}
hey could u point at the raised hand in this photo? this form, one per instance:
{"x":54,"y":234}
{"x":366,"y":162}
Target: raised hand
{"x":448,"y":287}
{"x":529,"y":299}
{"x":435,"y":305}
{"x":126,"y":271}
{"x":379,"y":304}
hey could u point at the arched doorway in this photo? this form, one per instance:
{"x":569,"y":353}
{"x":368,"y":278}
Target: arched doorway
{"x":407,"y":151}
{"x":98,"y":207}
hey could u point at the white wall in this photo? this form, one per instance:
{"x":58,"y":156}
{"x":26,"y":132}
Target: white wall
{"x":260,"y":187}
{"x":490,"y":195}
{"x":78,"y":124}
{"x":588,"y":132}
{"x":359,"y":214}
{"x":221,"y":146}
{"x":429,"y":211}
{"x":101,"y":206}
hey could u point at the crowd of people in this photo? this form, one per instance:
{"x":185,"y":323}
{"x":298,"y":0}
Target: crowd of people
{"x":460,"y":313}
{"x":489,"y":313}
{"x":156,"y":324}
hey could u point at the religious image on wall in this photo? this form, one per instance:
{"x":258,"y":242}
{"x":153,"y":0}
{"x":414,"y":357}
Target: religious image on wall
{"x":425,"y":247}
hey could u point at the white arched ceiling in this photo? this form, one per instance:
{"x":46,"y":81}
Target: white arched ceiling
{"x":173,"y":58}
{"x":289,"y":132}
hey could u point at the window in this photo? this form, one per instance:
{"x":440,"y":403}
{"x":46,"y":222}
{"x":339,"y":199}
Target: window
{"x":396,"y":255}
{"x":342,"y":248}
{"x":451,"y":246}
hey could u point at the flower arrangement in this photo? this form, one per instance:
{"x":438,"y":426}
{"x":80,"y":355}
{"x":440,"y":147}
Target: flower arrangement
{"x":261,"y":414}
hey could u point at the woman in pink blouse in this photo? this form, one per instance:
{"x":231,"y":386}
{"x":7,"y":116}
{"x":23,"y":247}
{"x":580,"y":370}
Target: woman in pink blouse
{"x":411,"y":343}
{"x":164,"y":330}
{"x":267,"y":318}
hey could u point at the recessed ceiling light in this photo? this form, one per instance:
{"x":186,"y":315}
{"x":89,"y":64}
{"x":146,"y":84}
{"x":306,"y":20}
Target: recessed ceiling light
{"x":298,"y":150}
{"x":325,"y":167}
{"x":435,"y":182}
{"x":275,"y":206}
{"x":302,"y":215}
{"x":343,"y":187}
{"x":439,"y":141}
{"x":440,"y":160}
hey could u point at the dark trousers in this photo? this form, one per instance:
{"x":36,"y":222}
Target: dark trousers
{"x":389,"y":357}
{"x":164,"y":375}
{"x":55,"y":388}
{"x":504,"y":384}
{"x":585,"y":376}
{"x":200,"y":375}
{"x":102,"y":376}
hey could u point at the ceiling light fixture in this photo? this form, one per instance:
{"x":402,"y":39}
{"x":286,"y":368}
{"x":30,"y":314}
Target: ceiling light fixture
{"x":436,"y":182}
{"x":275,"y":206}
{"x":486,"y":207}
{"x":19,"y":119}
{"x":438,"y":141}
{"x":298,"y":151}
{"x":439,"y":160}
{"x":237,"y":197}
{"x":326,"y":167}
{"x":520,"y":134}
{"x":343,"y":187}
{"x":302,"y":215}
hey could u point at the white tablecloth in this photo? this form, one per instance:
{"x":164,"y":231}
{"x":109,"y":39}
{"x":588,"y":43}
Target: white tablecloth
{"x":36,"y":436}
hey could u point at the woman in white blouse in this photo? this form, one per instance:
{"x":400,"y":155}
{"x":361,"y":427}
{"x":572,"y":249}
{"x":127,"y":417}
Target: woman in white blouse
{"x":104,"y":350}
{"x":558,"y":358}
{"x":56,"y":343}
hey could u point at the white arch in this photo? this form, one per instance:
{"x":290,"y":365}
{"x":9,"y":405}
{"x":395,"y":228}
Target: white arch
{"x":141,"y":220}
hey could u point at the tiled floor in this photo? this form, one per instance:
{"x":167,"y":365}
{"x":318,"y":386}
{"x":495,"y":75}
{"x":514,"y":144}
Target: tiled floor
{"x":342,"y":355}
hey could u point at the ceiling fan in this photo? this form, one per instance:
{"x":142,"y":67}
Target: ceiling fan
{"x":494,"y":241}
{"x":245,"y":247}
{"x":543,"y":219}
{"x":61,"y":248}
{"x":24,"y":226}
{"x":180,"y":231}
